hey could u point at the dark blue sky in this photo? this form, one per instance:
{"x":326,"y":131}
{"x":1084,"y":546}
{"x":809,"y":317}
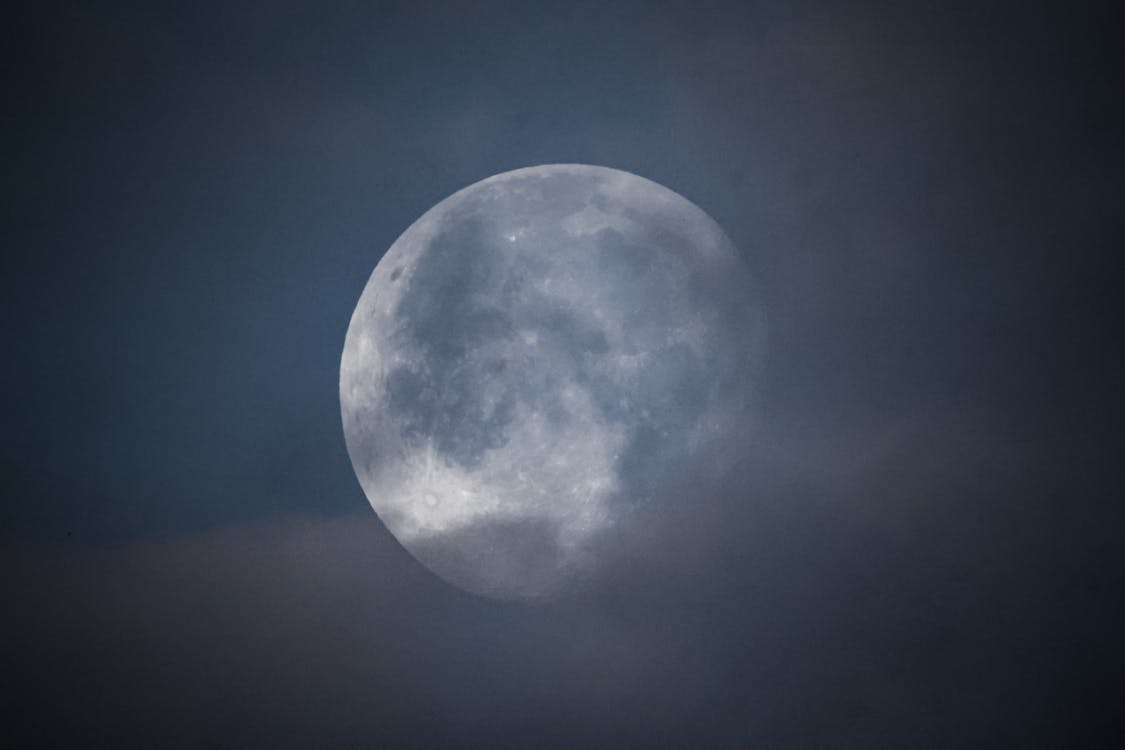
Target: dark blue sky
{"x":919,"y":550}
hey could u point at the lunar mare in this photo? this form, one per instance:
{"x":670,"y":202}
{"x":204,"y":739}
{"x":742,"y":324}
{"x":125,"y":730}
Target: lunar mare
{"x":536,"y":357}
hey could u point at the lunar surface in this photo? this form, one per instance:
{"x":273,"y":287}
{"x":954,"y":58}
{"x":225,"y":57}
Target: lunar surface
{"x":536,"y":358}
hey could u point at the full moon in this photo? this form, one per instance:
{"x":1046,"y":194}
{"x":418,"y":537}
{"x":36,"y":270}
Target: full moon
{"x":536,"y":359}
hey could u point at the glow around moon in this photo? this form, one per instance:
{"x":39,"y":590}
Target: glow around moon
{"x":535,"y":358}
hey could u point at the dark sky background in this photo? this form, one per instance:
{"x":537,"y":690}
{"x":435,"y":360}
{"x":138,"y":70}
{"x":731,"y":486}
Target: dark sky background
{"x":920,"y":548}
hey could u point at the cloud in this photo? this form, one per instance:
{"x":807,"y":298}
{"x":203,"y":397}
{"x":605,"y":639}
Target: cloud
{"x":845,"y":598}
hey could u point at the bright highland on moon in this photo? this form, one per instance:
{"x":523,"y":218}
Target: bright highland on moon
{"x":536,"y":359}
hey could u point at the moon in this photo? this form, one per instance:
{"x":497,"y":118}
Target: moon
{"x":535,"y":360}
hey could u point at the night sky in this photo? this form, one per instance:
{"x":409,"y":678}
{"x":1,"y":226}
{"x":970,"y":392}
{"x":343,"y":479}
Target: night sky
{"x":920,"y":546}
